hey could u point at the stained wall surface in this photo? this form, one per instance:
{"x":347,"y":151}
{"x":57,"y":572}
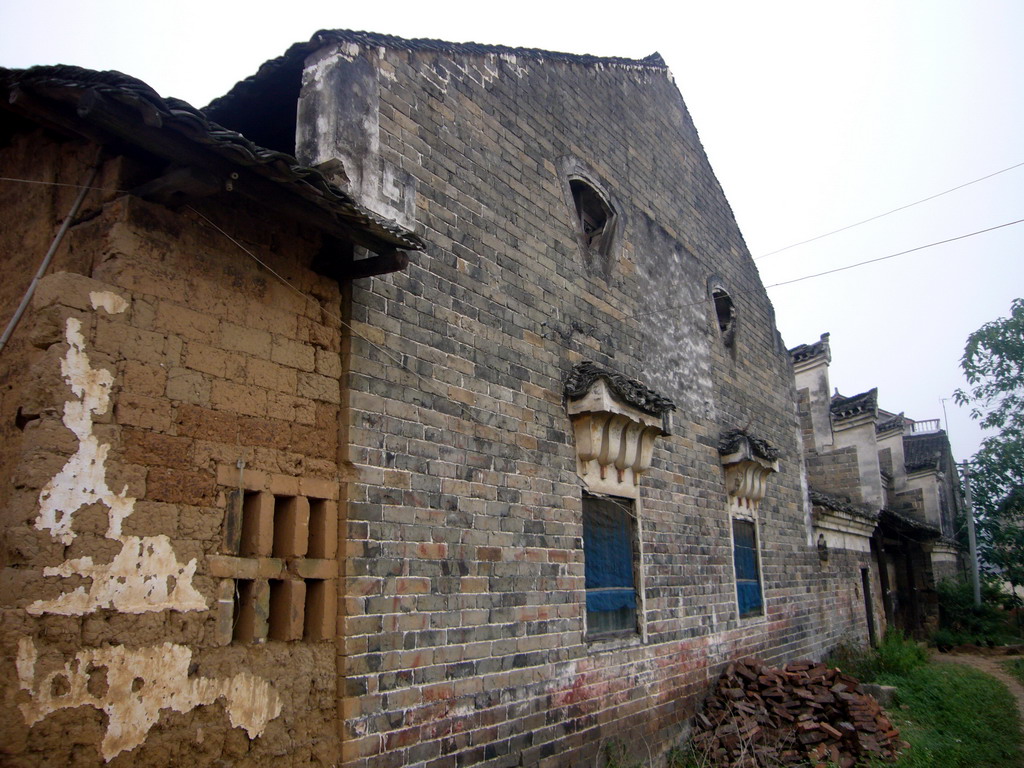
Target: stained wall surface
{"x":464,"y":629}
{"x":155,"y":360}
{"x":247,"y":526}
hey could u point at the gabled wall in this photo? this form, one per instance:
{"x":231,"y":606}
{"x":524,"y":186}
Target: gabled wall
{"x":188,"y":417}
{"x":464,"y":627}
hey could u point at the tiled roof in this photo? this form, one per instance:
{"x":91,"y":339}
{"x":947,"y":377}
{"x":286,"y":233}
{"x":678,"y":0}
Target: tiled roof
{"x":840,"y":505}
{"x":292,"y":60}
{"x":583,"y":376}
{"x":733,"y":440}
{"x":846,"y":407}
{"x":908,"y":526}
{"x":807,"y":351}
{"x":126,"y":111}
{"x":927,"y":451}
{"x":890,"y":424}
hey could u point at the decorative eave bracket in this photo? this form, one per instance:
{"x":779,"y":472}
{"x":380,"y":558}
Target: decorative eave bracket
{"x":614,"y":439}
{"x":748,"y":462}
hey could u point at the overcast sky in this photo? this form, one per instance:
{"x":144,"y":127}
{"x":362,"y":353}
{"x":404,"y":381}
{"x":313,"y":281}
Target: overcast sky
{"x":815,"y":115}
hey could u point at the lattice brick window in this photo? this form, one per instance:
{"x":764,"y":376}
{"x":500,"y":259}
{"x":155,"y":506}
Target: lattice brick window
{"x":279,"y":567}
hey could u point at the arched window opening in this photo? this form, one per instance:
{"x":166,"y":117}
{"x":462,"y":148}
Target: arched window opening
{"x":595,"y":217}
{"x":725,"y":312}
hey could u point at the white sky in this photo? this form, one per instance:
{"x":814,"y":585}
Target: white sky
{"x":815,"y":115}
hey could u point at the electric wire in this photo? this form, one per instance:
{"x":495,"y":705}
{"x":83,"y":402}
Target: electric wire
{"x":830,"y":271}
{"x":635,"y":314}
{"x":893,"y":255}
{"x":337,"y":318}
{"x":887,"y":213}
{"x":62,"y":184}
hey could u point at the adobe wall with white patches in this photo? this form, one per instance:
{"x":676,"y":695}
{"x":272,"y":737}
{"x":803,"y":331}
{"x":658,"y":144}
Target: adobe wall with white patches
{"x":155,"y":359}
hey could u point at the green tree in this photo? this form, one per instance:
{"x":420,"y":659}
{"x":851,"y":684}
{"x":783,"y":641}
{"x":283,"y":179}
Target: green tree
{"x":1004,"y":537}
{"x":993,"y":364}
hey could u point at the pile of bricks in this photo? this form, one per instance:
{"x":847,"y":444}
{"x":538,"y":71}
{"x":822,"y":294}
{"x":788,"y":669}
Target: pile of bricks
{"x":803,"y":714}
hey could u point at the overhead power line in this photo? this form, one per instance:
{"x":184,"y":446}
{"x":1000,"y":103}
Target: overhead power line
{"x":880,"y":215}
{"x":702,"y":301}
{"x":894,"y":255}
{"x":832,"y":271}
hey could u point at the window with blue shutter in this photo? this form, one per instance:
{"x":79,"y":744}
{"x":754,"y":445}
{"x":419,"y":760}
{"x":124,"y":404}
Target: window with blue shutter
{"x":608,"y":565}
{"x":748,"y":576}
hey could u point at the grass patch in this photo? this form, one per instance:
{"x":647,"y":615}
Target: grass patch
{"x":991,"y":623}
{"x":1016,"y":668}
{"x":895,"y":655}
{"x":955,"y":717}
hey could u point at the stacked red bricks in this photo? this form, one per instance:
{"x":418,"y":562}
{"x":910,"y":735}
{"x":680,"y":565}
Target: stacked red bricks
{"x":803,"y":713}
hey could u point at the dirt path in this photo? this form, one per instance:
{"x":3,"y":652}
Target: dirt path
{"x":991,"y":665}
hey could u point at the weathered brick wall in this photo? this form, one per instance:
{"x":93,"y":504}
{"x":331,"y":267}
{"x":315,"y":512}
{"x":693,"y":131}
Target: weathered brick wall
{"x":946,"y":570}
{"x":803,"y":413}
{"x":227,"y":407}
{"x":836,"y":473}
{"x":885,"y":461}
{"x":912,"y":503}
{"x":32,"y":214}
{"x":464,"y":606}
{"x":841,"y":579}
{"x":157,"y":356}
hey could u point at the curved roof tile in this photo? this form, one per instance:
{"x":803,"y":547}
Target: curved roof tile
{"x":67,"y":85}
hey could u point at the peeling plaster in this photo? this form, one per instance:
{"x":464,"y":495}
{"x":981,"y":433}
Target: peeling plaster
{"x":349,"y":51}
{"x":144,"y":576}
{"x":136,"y":581}
{"x":139,"y":577}
{"x":491,"y":71}
{"x":83,"y":479}
{"x":109,"y":301}
{"x":140,"y":682}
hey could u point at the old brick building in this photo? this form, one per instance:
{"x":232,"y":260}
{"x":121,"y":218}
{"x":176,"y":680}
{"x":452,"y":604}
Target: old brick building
{"x":467,"y":439}
{"x":882,"y":485}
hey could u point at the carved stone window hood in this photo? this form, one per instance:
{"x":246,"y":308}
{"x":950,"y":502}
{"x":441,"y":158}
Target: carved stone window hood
{"x":615,"y":420}
{"x":748,"y":462}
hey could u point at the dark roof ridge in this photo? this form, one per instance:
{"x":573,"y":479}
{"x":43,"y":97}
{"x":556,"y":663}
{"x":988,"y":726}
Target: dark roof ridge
{"x":294,"y":57}
{"x":888,"y":425}
{"x":167,"y":113}
{"x":802,"y":352}
{"x":653,"y":61}
{"x":838,"y":504}
{"x":925,"y":451}
{"x":844,"y":407}
{"x":583,"y":375}
{"x":732,"y":440}
{"x":908,"y":523}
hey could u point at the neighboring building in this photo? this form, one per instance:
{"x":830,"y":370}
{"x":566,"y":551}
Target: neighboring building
{"x":470,"y":441}
{"x":883,"y":486}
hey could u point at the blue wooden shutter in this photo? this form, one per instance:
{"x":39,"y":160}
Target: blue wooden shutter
{"x":748,"y":578}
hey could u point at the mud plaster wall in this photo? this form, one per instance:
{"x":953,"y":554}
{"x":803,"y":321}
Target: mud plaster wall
{"x":154,"y":357}
{"x":464,"y":592}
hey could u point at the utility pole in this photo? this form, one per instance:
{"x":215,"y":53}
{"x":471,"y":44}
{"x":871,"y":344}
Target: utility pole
{"x":972,"y":540}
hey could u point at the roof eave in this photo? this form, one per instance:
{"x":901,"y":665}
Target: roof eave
{"x":184,"y":138}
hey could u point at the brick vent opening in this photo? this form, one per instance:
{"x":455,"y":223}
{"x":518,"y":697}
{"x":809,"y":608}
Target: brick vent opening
{"x":280,"y":568}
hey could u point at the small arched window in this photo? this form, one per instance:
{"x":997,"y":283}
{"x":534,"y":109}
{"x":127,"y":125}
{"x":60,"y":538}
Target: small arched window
{"x":596,"y":222}
{"x":725,"y":313}
{"x":595,"y":216}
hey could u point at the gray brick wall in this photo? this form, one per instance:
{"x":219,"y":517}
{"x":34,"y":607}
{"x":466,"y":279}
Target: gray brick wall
{"x":463,"y":629}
